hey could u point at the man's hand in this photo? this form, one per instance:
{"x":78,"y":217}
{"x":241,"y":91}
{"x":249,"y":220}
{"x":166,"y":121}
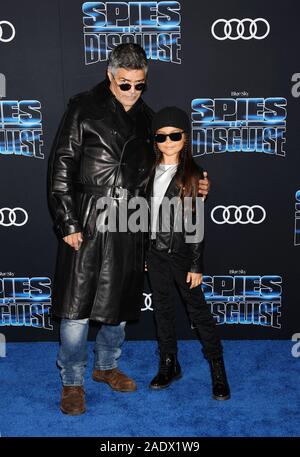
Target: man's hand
{"x":74,"y":240}
{"x":194,"y":278}
{"x":204,"y":186}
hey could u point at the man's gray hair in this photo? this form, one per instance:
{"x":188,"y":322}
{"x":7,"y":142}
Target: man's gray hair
{"x":128,"y":55}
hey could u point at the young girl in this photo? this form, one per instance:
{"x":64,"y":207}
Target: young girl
{"x":171,"y":258}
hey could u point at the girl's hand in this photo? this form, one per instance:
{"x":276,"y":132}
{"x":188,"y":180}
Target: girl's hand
{"x":146,"y":268}
{"x":194,"y":278}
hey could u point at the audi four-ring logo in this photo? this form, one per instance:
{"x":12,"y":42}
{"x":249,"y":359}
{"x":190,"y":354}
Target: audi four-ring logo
{"x":251,"y":26}
{"x":238,"y":214}
{"x":8,"y":29}
{"x":13,"y":216}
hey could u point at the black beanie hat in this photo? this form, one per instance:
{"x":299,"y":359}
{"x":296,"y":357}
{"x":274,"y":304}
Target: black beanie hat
{"x":171,"y":116}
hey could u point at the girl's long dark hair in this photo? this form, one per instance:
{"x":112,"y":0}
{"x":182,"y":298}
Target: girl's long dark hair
{"x":188,"y":173}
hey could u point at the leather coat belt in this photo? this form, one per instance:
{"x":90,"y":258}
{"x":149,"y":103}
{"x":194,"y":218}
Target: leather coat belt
{"x":116,"y":192}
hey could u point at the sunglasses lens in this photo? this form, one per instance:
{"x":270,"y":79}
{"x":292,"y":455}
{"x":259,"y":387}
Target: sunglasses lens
{"x":160,"y":138}
{"x":176,"y":136}
{"x":140,"y":86}
{"x":125,"y":86}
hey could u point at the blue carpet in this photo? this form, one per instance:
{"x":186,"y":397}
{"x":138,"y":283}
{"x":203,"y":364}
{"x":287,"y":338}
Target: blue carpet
{"x":264,"y":379}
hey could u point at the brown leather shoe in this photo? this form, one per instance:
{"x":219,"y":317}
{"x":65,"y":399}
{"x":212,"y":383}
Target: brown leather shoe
{"x":72,"y":400}
{"x":115,"y":379}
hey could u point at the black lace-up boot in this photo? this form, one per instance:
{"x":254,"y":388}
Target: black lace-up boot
{"x":169,"y":371}
{"x":220,"y":387}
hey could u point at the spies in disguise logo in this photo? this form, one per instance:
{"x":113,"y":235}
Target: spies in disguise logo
{"x":153,"y":25}
{"x":21,"y":128}
{"x":239,"y":125}
{"x":244,"y":299}
{"x":25,"y":302}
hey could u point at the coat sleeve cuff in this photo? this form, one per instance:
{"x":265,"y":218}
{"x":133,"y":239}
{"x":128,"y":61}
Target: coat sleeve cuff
{"x":67,"y":228}
{"x":196,"y":269}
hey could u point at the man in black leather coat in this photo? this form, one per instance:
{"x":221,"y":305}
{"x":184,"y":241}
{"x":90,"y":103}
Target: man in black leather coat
{"x":102,"y":149}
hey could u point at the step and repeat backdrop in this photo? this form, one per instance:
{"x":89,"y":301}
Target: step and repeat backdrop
{"x":233,"y":66}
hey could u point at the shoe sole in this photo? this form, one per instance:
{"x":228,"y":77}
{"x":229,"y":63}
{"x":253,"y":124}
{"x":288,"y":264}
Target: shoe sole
{"x":113,"y":388}
{"x":73,"y":414}
{"x":168,"y":385}
{"x":221,"y":398}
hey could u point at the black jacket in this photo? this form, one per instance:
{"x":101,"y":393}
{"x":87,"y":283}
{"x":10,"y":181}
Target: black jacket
{"x":173,"y":241}
{"x":100,"y":149}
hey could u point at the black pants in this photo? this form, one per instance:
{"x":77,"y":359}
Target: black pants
{"x":164,"y":269}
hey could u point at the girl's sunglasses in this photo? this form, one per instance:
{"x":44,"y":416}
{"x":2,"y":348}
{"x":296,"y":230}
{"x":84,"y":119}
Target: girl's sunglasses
{"x":161,"y":137}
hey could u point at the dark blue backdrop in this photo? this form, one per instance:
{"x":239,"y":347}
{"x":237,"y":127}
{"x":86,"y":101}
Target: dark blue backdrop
{"x":227,"y":78}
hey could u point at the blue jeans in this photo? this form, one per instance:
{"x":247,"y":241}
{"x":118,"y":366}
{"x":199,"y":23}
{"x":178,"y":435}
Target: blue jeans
{"x":72,"y":355}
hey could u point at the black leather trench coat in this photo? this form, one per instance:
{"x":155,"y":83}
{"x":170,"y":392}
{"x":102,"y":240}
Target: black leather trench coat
{"x":100,"y":149}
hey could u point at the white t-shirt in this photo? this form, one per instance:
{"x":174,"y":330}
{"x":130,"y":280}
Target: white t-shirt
{"x":163,"y":177}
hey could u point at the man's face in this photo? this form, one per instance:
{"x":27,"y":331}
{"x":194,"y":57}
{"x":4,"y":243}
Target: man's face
{"x":133,"y":77}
